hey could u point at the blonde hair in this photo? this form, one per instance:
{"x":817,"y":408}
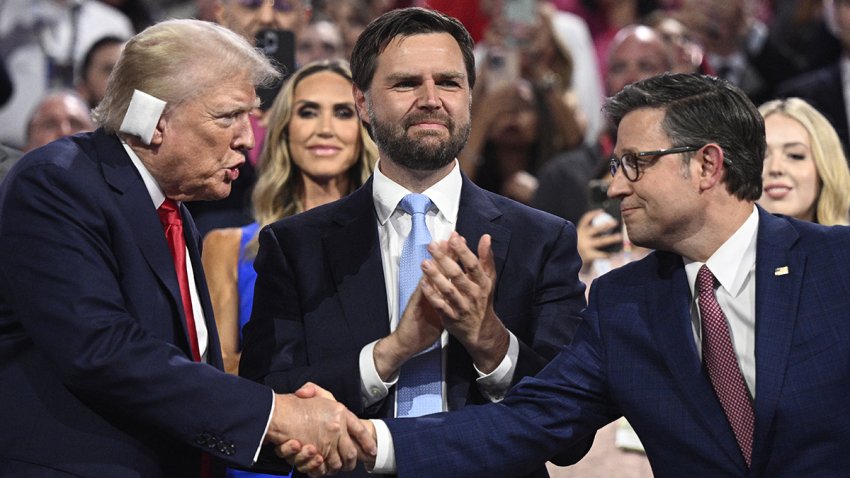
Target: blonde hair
{"x":176,"y":61}
{"x":833,"y":203}
{"x":275,"y":195}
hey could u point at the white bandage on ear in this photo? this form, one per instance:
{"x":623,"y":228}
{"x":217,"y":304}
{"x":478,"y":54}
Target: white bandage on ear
{"x":142,"y":116}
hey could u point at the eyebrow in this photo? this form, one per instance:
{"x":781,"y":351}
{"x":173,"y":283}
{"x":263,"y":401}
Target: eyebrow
{"x":445,"y":75}
{"x":316,"y":103}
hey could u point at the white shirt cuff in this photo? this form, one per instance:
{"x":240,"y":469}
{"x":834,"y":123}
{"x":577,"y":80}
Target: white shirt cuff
{"x":372,"y":388}
{"x":263,"y":437}
{"x":385,"y":459}
{"x":495,"y":385}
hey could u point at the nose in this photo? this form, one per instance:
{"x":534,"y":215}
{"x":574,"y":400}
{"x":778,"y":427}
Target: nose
{"x":772,"y":164}
{"x":619,"y":186}
{"x":265,"y":14}
{"x":429,"y":97}
{"x":325,"y":126}
{"x":244,"y":136}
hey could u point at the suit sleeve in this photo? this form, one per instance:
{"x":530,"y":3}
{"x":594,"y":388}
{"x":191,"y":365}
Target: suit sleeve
{"x":275,"y":349}
{"x":70,"y":297}
{"x":542,"y":416}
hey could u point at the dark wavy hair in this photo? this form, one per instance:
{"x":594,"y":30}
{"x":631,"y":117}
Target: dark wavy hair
{"x":701,"y":109}
{"x":405,"y":22}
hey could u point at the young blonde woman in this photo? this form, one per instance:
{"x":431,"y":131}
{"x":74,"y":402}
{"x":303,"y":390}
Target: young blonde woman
{"x":805,"y":173}
{"x":316,"y":151}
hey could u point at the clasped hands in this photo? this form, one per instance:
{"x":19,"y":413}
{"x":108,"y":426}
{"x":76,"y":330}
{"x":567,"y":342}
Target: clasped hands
{"x":455,"y":294}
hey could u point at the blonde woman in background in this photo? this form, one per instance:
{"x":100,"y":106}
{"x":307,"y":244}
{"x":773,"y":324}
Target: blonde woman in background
{"x":316,"y":151}
{"x":805,"y":171}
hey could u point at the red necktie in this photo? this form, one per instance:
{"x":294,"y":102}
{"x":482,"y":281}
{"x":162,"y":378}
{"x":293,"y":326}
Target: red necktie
{"x":722,"y":365}
{"x":169,"y":215}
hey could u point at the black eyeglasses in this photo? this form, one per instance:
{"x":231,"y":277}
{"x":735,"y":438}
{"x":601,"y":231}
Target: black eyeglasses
{"x":279,"y":5}
{"x":630,"y":162}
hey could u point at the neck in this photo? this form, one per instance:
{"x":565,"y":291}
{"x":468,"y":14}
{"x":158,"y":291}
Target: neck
{"x":413,"y":180}
{"x":720,"y":224}
{"x":318,"y":192}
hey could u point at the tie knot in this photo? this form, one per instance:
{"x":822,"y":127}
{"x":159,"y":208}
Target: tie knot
{"x":169,"y":212}
{"x":415,"y":203}
{"x":705,"y":279}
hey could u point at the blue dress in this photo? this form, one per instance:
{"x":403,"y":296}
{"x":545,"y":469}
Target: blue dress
{"x":246,"y":277}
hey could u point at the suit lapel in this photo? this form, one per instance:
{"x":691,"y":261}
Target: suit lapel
{"x":477,"y":215}
{"x":779,"y":279}
{"x":134,"y":200}
{"x":667,"y":299}
{"x":354,"y":256}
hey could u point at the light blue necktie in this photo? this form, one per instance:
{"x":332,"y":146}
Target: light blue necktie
{"x":419,"y":388}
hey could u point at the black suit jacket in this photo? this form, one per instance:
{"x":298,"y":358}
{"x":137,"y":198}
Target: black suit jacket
{"x":96,"y":373}
{"x":320,"y":294}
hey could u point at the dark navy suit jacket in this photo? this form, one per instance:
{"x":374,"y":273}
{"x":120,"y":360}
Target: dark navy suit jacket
{"x":320,"y":294}
{"x":635,"y":355}
{"x":96,"y":373}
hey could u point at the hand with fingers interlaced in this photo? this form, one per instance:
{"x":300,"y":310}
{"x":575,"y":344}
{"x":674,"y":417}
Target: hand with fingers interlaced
{"x":459,"y":286}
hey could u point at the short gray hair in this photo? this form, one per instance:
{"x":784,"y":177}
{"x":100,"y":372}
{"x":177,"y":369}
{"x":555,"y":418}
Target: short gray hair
{"x":176,"y":61}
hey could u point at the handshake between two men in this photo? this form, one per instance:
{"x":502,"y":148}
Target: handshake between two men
{"x":455,"y":294}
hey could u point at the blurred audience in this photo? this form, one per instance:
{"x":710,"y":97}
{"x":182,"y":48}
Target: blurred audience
{"x":319,"y":40}
{"x":60,"y":113}
{"x":825,"y":88}
{"x":738,"y":46}
{"x":513,"y":135}
{"x":142,"y":13}
{"x":607,"y":17}
{"x":95,"y":69}
{"x":316,"y":152}
{"x":247,"y":17}
{"x":350,"y":16}
{"x":686,"y":53}
{"x":40,"y":42}
{"x":805,"y":172}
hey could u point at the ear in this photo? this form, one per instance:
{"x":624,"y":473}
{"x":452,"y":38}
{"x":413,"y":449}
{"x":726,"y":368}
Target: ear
{"x":360,"y":104}
{"x":159,"y":132}
{"x":711,"y":166}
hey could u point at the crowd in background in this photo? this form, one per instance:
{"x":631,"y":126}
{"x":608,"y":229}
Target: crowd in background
{"x":538,"y":135}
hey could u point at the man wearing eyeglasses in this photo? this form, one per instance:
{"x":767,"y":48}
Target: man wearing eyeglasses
{"x":727,"y":348}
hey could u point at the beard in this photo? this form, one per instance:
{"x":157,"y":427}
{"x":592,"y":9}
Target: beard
{"x":425,"y":151}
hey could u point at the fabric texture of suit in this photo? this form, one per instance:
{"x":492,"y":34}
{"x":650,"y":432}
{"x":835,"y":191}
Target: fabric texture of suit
{"x":95,"y":366}
{"x":320,"y":294}
{"x":635,"y":355}
{"x":823,"y":90}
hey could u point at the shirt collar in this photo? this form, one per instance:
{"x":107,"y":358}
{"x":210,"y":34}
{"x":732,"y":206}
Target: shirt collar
{"x":155,"y":192}
{"x":732,"y":261}
{"x":445,"y":194}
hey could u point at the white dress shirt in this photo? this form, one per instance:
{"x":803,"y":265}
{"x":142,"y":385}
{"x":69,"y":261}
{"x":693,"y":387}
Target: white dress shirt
{"x":734,"y":266}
